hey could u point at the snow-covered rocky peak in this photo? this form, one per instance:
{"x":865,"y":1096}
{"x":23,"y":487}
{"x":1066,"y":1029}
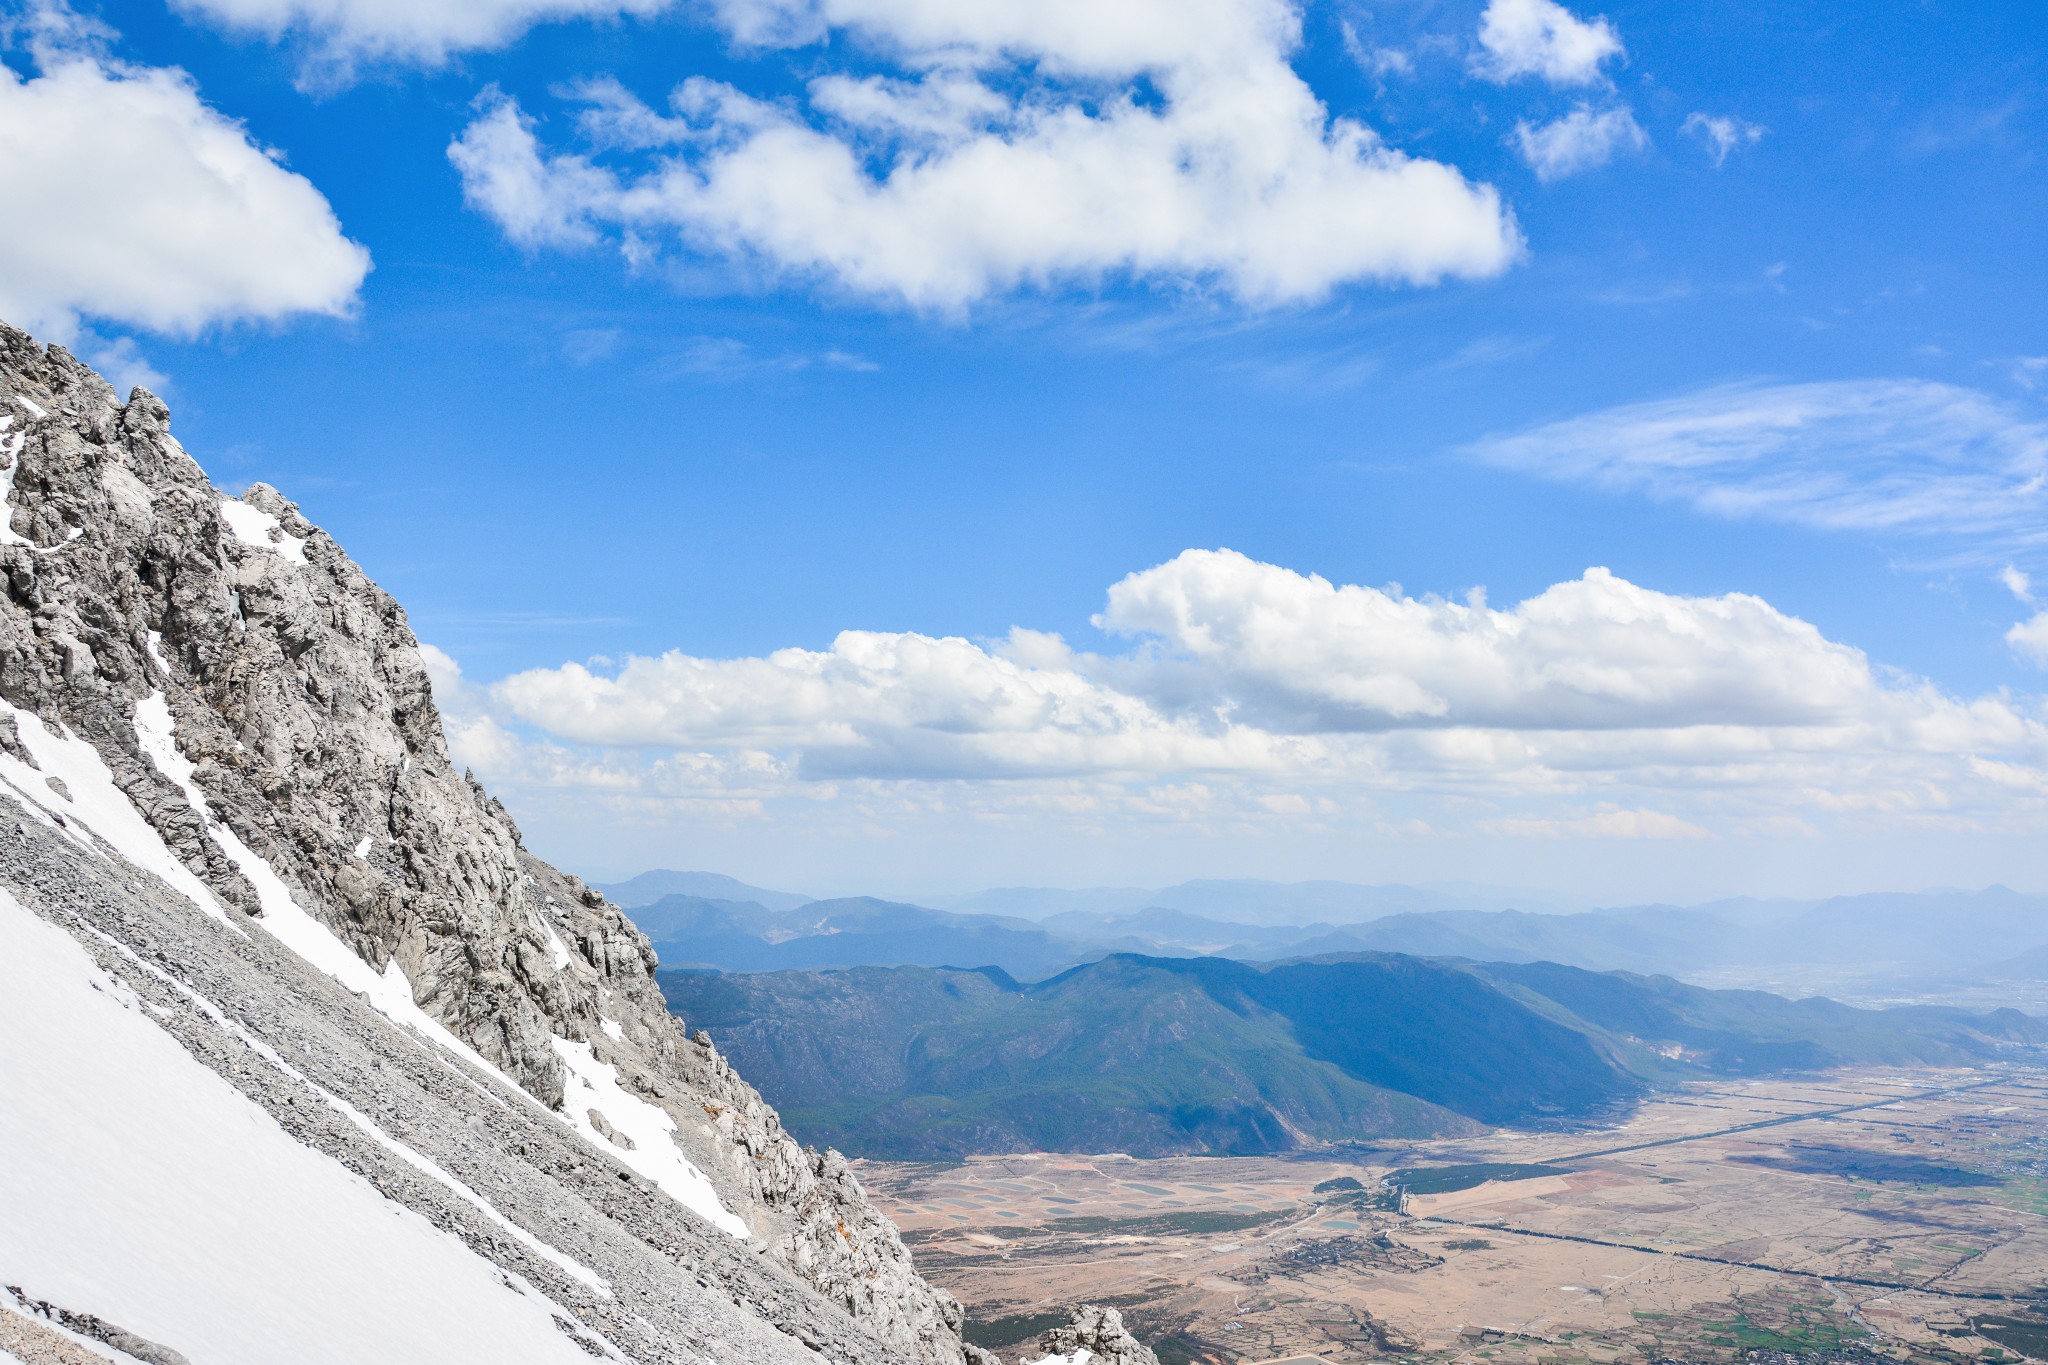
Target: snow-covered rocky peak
{"x":318,"y":1043}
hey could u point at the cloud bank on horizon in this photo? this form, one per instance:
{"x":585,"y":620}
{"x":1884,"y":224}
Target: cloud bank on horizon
{"x":1597,"y":708}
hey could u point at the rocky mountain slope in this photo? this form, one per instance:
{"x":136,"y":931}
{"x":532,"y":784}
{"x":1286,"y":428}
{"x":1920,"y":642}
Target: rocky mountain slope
{"x":307,"y":1057}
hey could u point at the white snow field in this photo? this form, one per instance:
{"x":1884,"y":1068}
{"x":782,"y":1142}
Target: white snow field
{"x":142,"y":1188}
{"x":594,"y":1085}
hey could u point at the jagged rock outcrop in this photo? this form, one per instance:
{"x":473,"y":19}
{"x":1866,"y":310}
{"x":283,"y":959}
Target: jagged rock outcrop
{"x":1096,"y":1336}
{"x":297,"y":745}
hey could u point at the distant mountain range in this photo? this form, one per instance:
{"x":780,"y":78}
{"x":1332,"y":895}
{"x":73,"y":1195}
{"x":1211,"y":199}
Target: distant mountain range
{"x":1154,"y":1056}
{"x":745,"y":936}
{"x":649,"y":887}
{"x":704,"y":920}
{"x":1252,"y":902}
{"x":907,"y":1031}
{"x":2028,"y":966}
{"x":1243,"y":900}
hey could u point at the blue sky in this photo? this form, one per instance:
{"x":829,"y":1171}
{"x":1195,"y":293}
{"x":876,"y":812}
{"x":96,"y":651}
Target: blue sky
{"x":1739,"y":299}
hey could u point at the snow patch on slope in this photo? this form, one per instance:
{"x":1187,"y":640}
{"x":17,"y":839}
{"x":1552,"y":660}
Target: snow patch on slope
{"x":575,"y":1269}
{"x":595,"y":1085}
{"x":139,"y":1186}
{"x":91,"y":801}
{"x":252,"y":526}
{"x":8,"y":535}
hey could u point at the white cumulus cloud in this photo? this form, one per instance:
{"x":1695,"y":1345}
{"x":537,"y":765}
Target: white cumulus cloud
{"x":1295,"y":653}
{"x":1542,"y":38}
{"x":1005,"y":146}
{"x":1898,"y":455}
{"x":882,"y":705}
{"x":1597,"y":708}
{"x":2029,"y":639}
{"x":1582,"y":140}
{"x":130,"y":200}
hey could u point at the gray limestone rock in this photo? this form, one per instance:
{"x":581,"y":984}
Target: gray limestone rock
{"x":1101,"y":1333}
{"x":298,"y":693}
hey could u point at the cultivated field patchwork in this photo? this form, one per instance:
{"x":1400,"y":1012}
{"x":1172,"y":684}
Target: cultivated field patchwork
{"x":1870,"y":1212}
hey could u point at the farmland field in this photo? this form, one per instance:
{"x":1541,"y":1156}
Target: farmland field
{"x":1864,"y":1213}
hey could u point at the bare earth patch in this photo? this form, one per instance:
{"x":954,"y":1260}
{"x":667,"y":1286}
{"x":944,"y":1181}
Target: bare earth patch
{"x":1862,"y":1213}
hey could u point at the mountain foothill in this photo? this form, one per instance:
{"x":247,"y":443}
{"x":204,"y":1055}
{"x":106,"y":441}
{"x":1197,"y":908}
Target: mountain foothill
{"x":1233,"y":1018}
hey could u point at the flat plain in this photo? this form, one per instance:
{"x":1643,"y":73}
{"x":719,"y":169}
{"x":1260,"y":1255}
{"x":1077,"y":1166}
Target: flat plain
{"x":1888,"y":1213}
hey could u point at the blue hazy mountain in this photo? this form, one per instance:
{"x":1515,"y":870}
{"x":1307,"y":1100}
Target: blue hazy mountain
{"x":649,"y":887}
{"x":1899,"y":934}
{"x":1154,"y":1056}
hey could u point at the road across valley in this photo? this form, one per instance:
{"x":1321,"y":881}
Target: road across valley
{"x":1858,"y":1280}
{"x":1784,"y":1119}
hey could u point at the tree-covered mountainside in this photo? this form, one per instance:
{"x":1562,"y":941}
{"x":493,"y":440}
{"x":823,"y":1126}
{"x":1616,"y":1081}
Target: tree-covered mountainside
{"x":1166,"y":1055}
{"x":1739,"y":1033}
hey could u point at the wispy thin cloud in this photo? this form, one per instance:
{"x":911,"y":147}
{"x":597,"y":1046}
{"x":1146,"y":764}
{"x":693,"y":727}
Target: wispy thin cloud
{"x":524,"y":620}
{"x":1607,"y":823}
{"x":1951,"y":129}
{"x":2028,"y":371}
{"x":1487,"y":350}
{"x":1376,"y":61}
{"x":588,"y":345}
{"x":1902,"y":456}
{"x":730,"y":358}
{"x":1722,"y":134}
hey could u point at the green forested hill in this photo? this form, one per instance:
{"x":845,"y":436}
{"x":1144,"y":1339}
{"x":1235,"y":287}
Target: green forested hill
{"x":1156,"y":1055}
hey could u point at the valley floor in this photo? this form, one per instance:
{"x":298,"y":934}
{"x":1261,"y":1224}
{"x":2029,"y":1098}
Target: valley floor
{"x":1867,"y":1212}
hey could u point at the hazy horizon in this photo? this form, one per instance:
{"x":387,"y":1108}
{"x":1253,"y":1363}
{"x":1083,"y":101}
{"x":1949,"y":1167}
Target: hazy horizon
{"x":1534,"y":900}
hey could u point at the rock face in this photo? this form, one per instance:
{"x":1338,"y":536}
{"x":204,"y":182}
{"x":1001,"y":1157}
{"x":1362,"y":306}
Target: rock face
{"x":1096,"y":1336}
{"x":263,"y":706}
